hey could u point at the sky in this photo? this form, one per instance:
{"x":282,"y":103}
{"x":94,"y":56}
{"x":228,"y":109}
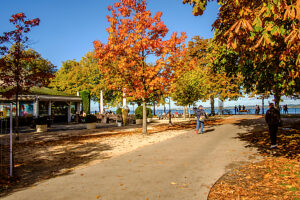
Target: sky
{"x":68,"y":27}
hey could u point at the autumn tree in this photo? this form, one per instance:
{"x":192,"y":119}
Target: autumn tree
{"x":20,"y":69}
{"x":265,"y":34}
{"x":75,"y":76}
{"x":189,"y":88}
{"x":208,"y":61}
{"x":224,"y":83}
{"x":134,"y":35}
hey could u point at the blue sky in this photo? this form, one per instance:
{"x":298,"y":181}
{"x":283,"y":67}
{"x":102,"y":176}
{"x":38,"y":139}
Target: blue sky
{"x":68,"y":27}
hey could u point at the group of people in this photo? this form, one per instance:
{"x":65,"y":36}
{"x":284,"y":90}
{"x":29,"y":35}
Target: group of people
{"x":285,"y":109}
{"x":239,"y":108}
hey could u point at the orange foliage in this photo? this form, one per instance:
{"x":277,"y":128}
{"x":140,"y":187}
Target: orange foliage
{"x":134,"y":35}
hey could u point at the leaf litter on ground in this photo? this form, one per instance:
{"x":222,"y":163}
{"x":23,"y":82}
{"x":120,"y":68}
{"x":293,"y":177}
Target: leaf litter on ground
{"x":276,"y":177}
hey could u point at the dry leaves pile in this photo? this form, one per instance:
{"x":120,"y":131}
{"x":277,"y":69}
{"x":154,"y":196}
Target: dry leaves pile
{"x":273,"y":178}
{"x":276,"y":177}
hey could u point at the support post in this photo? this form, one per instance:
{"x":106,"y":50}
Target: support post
{"x":124,"y":100}
{"x":101,"y":102}
{"x":36,"y":107}
{"x":69,"y":112}
{"x":49,"y":108}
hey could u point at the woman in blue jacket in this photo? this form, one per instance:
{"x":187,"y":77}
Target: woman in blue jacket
{"x":200,"y":113}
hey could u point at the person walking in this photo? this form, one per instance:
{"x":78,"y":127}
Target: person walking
{"x":272,"y":118}
{"x":201,"y":115}
{"x":285,"y":109}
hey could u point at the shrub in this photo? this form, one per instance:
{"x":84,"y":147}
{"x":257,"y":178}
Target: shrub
{"x":90,"y":119}
{"x":149,"y":113}
{"x":119,"y":111}
{"x":139,"y":112}
{"x":85,"y":96}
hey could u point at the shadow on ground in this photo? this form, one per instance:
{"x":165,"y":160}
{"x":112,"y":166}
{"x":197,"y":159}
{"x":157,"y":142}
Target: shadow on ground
{"x":257,"y":136}
{"x":37,"y":161}
{"x":43,"y":156}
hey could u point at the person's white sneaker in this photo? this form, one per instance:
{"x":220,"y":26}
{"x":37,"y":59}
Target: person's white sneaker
{"x":273,"y":146}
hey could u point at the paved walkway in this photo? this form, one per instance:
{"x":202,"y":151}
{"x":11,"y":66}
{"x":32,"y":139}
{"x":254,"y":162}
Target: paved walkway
{"x":181,"y":168}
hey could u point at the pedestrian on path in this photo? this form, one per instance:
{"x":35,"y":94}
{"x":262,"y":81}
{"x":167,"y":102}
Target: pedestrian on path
{"x":272,"y":118}
{"x":201,"y":115}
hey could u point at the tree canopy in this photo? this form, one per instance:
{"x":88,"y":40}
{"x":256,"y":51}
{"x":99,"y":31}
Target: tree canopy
{"x":265,"y":34}
{"x":135,"y":34}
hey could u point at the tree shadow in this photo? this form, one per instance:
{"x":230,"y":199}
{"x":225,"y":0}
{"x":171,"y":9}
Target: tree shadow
{"x":257,"y":136}
{"x":209,"y":130}
{"x":37,"y":161}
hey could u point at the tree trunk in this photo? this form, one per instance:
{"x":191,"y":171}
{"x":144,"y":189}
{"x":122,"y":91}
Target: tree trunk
{"x":17,"y":113}
{"x":263,"y":105}
{"x":144,"y":118}
{"x":212,"y":105}
{"x":277,"y":97}
{"x":189,"y":112}
{"x":153,"y":107}
{"x":170,"y":113}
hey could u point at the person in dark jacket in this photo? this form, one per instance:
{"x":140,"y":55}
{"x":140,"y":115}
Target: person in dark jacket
{"x":272,"y":118}
{"x":200,"y":113}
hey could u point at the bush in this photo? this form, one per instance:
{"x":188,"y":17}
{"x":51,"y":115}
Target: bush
{"x":149,"y":113}
{"x":90,"y":119}
{"x":85,"y":96}
{"x":139,"y":112}
{"x":119,"y":111}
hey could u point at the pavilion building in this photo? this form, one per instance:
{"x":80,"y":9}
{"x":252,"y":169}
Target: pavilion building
{"x":41,"y":102}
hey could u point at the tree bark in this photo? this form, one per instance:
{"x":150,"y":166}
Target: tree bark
{"x":17,"y":113}
{"x":153,"y":107}
{"x":277,"y":97}
{"x":212,"y":105}
{"x":170,"y":113}
{"x":263,"y":105}
{"x":144,"y":118}
{"x":189,"y":112}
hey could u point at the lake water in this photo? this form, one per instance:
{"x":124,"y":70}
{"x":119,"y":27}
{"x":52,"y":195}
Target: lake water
{"x":227,"y":111}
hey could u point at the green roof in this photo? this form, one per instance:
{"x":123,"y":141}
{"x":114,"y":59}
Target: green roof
{"x":43,"y":91}
{"x":47,"y":91}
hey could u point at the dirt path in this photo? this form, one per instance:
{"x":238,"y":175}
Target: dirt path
{"x":184,"y":168}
